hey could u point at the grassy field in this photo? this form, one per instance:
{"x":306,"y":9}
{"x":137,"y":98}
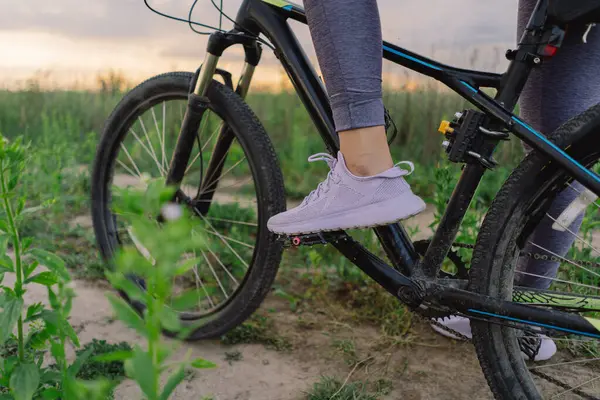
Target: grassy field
{"x":63,"y":128}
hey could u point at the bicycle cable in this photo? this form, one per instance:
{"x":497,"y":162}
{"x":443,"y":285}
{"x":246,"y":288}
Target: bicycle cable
{"x":222,"y":14}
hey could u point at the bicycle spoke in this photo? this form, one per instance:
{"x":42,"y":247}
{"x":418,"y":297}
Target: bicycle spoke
{"x":231,"y":221}
{"x":127,"y":169}
{"x":558,"y":280}
{"x":214,"y":274}
{"x":565,"y":363}
{"x":160,"y":170}
{"x":228,"y":238}
{"x":575,"y":387}
{"x":574,"y":234}
{"x":150,"y":144}
{"x":199,"y":280}
{"x":566,"y":260}
{"x":240,"y":183}
{"x":554,"y":339}
{"x":140,"y":247}
{"x":579,"y":192}
{"x":221,"y":263}
{"x":223,"y":240}
{"x":222,"y":175}
{"x":139,"y":174}
{"x":160,"y":138}
{"x":211,"y":136}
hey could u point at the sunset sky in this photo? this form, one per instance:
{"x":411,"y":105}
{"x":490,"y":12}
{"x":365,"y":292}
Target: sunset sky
{"x":72,"y":41}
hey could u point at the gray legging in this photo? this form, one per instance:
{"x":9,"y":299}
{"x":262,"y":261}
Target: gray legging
{"x":347,"y":39}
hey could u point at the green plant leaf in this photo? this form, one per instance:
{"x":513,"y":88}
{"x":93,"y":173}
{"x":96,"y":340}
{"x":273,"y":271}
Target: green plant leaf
{"x":6,"y":263}
{"x":52,"y":262}
{"x":45,"y":278}
{"x":119,"y":281}
{"x":170,"y":320}
{"x":33,"y":310}
{"x":57,"y":351}
{"x":172,"y":383}
{"x":30,"y":267}
{"x":12,"y":182}
{"x":119,"y":355}
{"x":37,"y":340}
{"x":202,"y":363}
{"x":187,"y":300}
{"x":68,"y":330}
{"x":53,"y":299}
{"x":144,"y":373}
{"x":127,"y":314}
{"x":51,"y":394}
{"x":24,"y":381}
{"x":3,"y":244}
{"x":26,"y":243}
{"x":20,"y":206}
{"x":50,"y":376}
{"x":74,"y":368}
{"x":8,"y":317}
{"x":187,"y":265}
{"x":4,"y":226}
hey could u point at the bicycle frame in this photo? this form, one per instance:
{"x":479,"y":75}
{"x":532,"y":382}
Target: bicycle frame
{"x":413,"y":280}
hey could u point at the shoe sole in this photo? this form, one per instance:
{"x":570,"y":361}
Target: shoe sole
{"x":364,"y":211}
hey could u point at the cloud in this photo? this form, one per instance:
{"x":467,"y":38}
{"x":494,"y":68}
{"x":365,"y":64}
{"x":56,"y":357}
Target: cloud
{"x":415,"y":21}
{"x":443,"y":29}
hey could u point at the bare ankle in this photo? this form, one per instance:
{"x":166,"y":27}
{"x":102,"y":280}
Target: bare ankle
{"x":366,"y":151}
{"x":366,"y":165}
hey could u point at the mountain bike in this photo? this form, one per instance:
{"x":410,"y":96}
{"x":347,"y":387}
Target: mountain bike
{"x":211,"y":146}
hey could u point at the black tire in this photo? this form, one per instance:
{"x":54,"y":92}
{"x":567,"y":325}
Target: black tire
{"x":265,"y":172}
{"x":527,"y":192}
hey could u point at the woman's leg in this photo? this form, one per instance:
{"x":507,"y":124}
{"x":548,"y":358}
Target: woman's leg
{"x":364,"y":188}
{"x":347,"y":39}
{"x":561,"y":88}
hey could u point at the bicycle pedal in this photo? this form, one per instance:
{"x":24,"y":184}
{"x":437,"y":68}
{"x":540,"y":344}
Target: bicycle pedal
{"x":310,"y":239}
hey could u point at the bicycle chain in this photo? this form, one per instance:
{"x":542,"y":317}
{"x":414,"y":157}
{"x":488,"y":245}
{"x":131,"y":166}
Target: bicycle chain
{"x":318,"y":238}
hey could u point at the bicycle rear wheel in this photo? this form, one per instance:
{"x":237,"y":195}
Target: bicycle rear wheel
{"x":574,"y":372}
{"x":241,"y":257}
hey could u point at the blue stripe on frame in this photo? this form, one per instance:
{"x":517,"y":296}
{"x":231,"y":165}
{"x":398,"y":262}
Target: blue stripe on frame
{"x":399,"y":53}
{"x":471,"y":88}
{"x":288,"y":7}
{"x":555,"y":147}
{"x":533,"y":323}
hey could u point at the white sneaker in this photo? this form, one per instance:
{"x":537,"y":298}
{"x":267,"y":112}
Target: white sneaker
{"x":462,"y":325}
{"x":345,"y":201}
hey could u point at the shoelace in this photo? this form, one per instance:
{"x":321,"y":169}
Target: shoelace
{"x":410,"y":164}
{"x":332,"y":176}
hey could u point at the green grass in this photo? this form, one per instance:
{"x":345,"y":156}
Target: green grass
{"x":258,"y":329}
{"x":64,"y":129}
{"x":328,"y":387}
{"x":91,"y":369}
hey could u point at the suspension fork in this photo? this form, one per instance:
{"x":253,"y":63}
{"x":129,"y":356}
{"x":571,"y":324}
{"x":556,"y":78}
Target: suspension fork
{"x":196,"y":107}
{"x":198,"y":104}
{"x":221,"y":149}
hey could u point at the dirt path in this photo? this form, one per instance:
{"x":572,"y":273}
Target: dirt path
{"x":422,"y":368}
{"x":417,"y":365}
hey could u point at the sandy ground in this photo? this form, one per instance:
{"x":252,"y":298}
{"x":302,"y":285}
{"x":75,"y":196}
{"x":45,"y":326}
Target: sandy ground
{"x":423,"y":368}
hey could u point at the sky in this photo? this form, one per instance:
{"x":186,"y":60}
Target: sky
{"x":70,"y":42}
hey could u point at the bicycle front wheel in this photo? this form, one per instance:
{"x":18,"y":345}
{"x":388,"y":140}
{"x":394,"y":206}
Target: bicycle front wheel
{"x":507,"y":235}
{"x":236,"y":183}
